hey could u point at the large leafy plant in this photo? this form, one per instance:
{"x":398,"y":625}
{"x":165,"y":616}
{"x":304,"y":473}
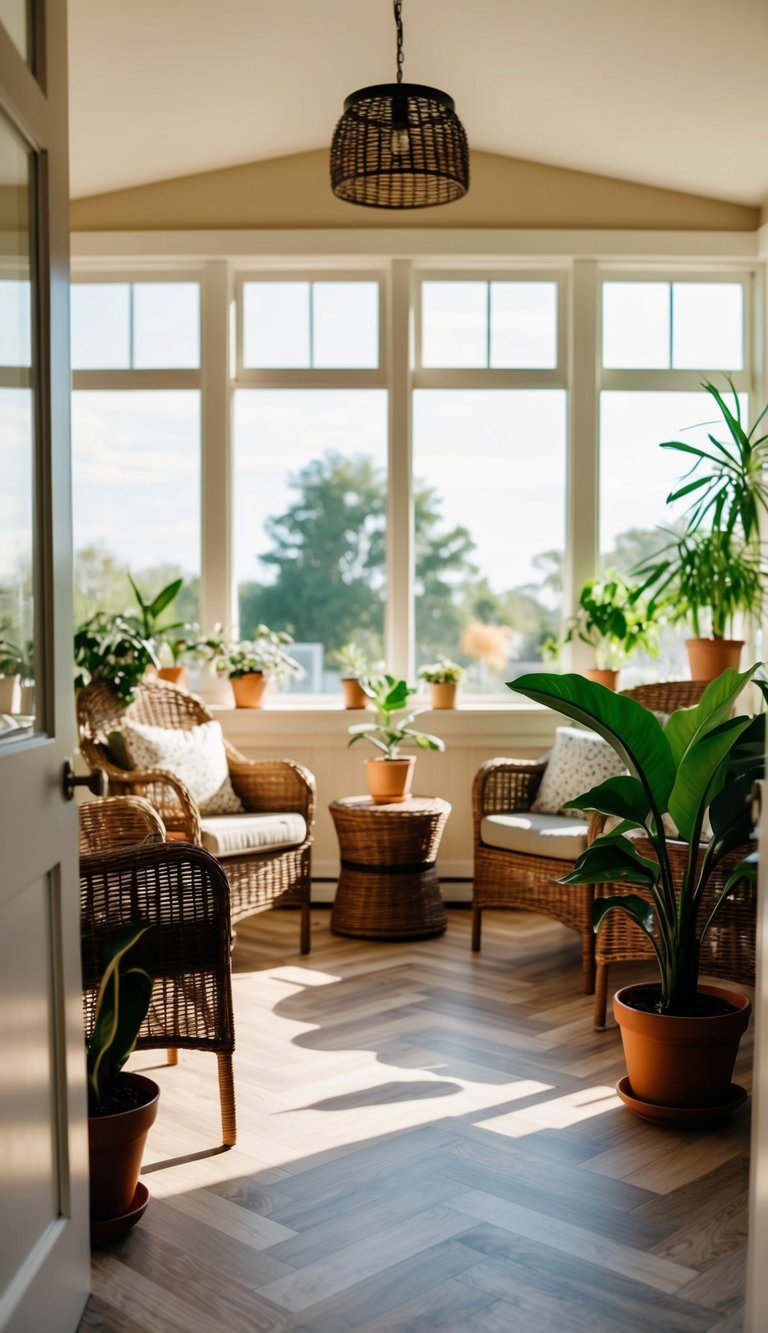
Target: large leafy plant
{"x":701,"y":760}
{"x":121,"y":1006}
{"x":112,"y":649}
{"x":389,"y":733}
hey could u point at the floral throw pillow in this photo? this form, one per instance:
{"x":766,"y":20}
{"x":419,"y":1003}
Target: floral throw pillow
{"x":578,"y":761}
{"x":196,"y":756}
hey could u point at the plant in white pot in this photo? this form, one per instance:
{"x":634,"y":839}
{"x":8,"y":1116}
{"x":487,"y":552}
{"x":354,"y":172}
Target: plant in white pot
{"x":16,"y":668}
{"x":442,"y":677}
{"x":121,"y":1106}
{"x":391,"y":774}
{"x":680,"y":1039}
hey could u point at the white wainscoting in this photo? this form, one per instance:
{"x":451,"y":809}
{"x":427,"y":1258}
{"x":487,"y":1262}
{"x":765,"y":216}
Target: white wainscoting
{"x":317,"y":737}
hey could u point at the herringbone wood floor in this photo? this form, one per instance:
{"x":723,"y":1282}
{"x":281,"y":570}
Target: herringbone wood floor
{"x":427,"y":1140}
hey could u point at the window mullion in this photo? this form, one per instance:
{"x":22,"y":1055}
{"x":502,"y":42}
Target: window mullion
{"x":400,"y":530}
{"x":218,"y":598}
{"x":582,"y":536}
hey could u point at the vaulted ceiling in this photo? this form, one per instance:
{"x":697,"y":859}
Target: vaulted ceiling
{"x":670,"y":93}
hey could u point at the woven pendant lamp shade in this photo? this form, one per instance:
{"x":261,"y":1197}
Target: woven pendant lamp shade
{"x":399,"y":145}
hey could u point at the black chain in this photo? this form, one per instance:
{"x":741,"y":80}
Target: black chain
{"x":398,"y":6}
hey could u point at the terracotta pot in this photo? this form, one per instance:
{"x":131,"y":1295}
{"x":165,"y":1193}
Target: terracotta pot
{"x":603,"y":676}
{"x":10,"y":694}
{"x":249,"y":689}
{"x":707,"y":658}
{"x":442,"y":694}
{"x":389,"y":780}
{"x":353,"y":693}
{"x":115,"y":1149}
{"x":675,"y":1061}
{"x":175,"y":675}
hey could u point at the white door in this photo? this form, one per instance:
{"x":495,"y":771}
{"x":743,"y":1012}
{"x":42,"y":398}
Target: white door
{"x":44,"y":1255}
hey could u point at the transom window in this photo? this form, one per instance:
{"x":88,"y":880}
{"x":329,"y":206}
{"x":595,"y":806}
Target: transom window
{"x":489,"y":325}
{"x":135,"y":325}
{"x":293,"y":325}
{"x":673,"y":325}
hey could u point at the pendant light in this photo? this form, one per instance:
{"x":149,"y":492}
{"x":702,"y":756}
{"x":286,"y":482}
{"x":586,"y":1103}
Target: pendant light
{"x":399,"y":145}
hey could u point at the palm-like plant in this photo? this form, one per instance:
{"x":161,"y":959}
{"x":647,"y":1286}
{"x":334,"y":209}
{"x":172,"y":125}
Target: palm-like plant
{"x":389,"y":733}
{"x":701,"y":760}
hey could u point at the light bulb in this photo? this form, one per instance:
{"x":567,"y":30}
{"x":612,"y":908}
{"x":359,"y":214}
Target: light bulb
{"x":399,"y":141}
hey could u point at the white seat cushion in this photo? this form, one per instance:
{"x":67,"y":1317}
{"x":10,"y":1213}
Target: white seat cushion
{"x":196,"y":755}
{"x":579,"y":760}
{"x":234,"y":835}
{"x":537,"y":835}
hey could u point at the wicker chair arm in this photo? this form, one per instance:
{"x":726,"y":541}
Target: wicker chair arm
{"x":505,"y":784}
{"x":272,"y":784}
{"x":153,"y":784}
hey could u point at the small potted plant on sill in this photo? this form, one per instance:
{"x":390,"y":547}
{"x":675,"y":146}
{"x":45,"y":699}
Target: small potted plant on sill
{"x":443,"y":678}
{"x":112,"y":649}
{"x":613,"y":621}
{"x":252,"y":663}
{"x":17,"y":669}
{"x":121,"y":1106}
{"x":177,"y":648}
{"x":680,"y":1038}
{"x":157,"y":634}
{"x":391,"y":774}
{"x":356,"y":668}
{"x":708,"y":575}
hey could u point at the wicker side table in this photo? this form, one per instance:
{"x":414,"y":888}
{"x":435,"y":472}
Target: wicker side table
{"x":388,"y":887}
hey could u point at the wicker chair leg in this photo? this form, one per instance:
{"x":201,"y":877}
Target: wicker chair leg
{"x":173,"y":1055}
{"x":305,"y":928}
{"x":227,"y":1098}
{"x":588,"y":961}
{"x":477,"y":927}
{"x":601,"y":995}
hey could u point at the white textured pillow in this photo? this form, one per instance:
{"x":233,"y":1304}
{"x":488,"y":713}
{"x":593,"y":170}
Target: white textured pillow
{"x":578,"y":761}
{"x":196,"y":756}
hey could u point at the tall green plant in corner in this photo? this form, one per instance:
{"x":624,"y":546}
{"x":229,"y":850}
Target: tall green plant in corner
{"x":702,"y":759}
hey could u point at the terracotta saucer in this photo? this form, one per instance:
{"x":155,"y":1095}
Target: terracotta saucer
{"x":112,"y":1228}
{"x":681,"y":1115}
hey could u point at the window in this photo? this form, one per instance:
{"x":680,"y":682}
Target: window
{"x":136,"y":449}
{"x":310,"y":325}
{"x":673,"y":325}
{"x":489,"y":325}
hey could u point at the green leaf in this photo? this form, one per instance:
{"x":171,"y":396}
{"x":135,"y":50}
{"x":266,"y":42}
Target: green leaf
{"x":135,"y":993}
{"x":730,"y":811}
{"x":612,"y":858}
{"x":631,"y":730}
{"x":698,"y":771}
{"x":164,"y":598}
{"x":623,"y":797}
{"x":687,"y":724}
{"x":639,"y":909}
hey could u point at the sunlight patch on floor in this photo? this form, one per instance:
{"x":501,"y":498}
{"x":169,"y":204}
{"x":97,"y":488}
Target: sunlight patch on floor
{"x":554,"y":1112}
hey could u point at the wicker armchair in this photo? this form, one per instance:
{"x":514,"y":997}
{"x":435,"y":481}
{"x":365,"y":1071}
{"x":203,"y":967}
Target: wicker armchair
{"x":257,"y":879}
{"x":729,"y":946}
{"x":515,"y":879}
{"x":183,"y":893}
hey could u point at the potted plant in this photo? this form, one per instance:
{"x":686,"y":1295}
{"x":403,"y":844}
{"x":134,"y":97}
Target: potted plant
{"x":680,"y":1039}
{"x":615,"y":623}
{"x":356,"y":667}
{"x":112,"y":649}
{"x":443,"y":678}
{"x":177,"y":647}
{"x":251,"y":663}
{"x":161,"y":636}
{"x":390,"y":775}
{"x":713,"y":571}
{"x":121,"y":1107}
{"x":17,"y":671}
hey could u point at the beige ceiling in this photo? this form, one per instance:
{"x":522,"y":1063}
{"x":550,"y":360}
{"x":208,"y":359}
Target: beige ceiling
{"x":664,"y":92}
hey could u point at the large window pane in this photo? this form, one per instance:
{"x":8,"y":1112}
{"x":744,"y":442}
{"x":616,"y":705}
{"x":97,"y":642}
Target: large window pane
{"x":489,"y":469}
{"x":15,"y":322}
{"x":166,"y":325}
{"x":636,"y":476}
{"x":136,"y":491}
{"x":309,"y":520}
{"x":707,"y":325}
{"x":101,"y":326}
{"x":636,"y":325}
{"x":524,"y":325}
{"x":454,"y":324}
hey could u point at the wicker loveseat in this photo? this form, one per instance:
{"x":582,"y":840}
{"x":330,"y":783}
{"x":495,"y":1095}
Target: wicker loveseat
{"x":272,"y":792}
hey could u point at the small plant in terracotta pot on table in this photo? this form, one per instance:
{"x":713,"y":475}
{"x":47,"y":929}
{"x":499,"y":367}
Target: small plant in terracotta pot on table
{"x":390,"y":775}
